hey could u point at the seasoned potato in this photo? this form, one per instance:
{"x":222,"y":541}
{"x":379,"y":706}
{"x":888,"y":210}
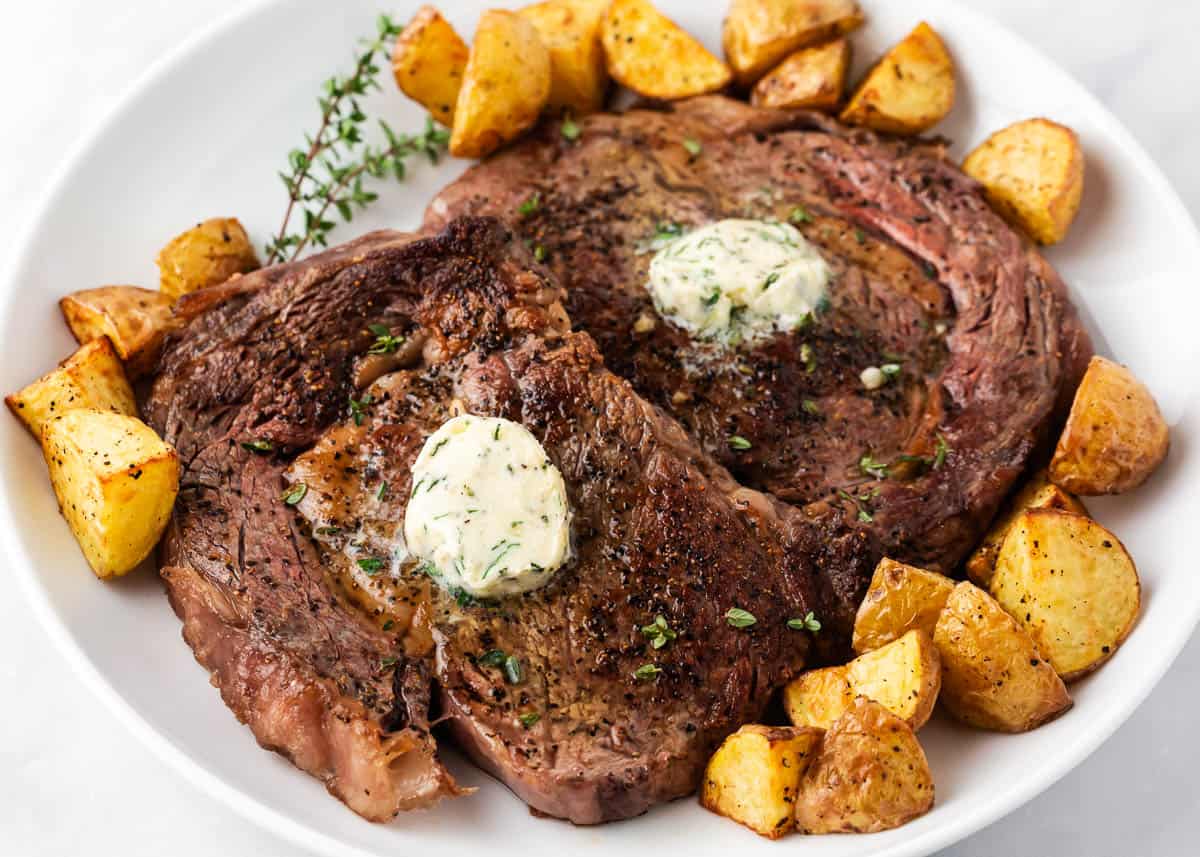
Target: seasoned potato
{"x":505,"y":86}
{"x":899,"y":599}
{"x":92,"y":378}
{"x":1037,"y":493}
{"x":136,"y":320}
{"x":1071,"y":584}
{"x":207,"y":254}
{"x":1115,"y":436}
{"x":993,"y":676}
{"x":116,"y":482}
{"x":648,"y":52}
{"x":870,"y":775}
{"x":428,"y":62}
{"x":908,"y":91}
{"x":904,"y":677}
{"x":570,"y":30}
{"x":758,"y":34}
{"x":812,"y":78}
{"x":1032,"y":173}
{"x":755,"y":774}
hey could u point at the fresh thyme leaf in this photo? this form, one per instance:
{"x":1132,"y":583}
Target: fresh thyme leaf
{"x":940,"y":453}
{"x":860,"y":236}
{"x":890,"y":370}
{"x":530,"y":205}
{"x":864,"y":514}
{"x":693,"y":146}
{"x":800,"y":215}
{"x":372,"y":565}
{"x":386,"y":663}
{"x":739,"y":618}
{"x":389,"y":624}
{"x":358,"y":408}
{"x":529,"y":718}
{"x":382,"y":492}
{"x":808,"y":623}
{"x":739,"y":443}
{"x":808,"y":357}
{"x":494,"y":658}
{"x":811,"y":407}
{"x":665,"y":230}
{"x":385,"y":342}
{"x":512,"y":670}
{"x":870,"y":466}
{"x":659,"y":632}
{"x":259,"y":446}
{"x":295,"y":493}
{"x":647,"y":672}
{"x":711,"y":300}
{"x":539,"y":253}
{"x":570,"y":129}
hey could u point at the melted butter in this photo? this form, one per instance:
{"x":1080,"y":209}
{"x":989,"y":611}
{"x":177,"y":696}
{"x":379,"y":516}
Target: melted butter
{"x":488,"y":513}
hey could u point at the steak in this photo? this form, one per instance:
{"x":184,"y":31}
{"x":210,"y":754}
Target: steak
{"x":926,"y":276}
{"x":297,"y":444}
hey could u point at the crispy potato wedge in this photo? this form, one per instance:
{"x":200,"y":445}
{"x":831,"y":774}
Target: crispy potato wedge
{"x":91,"y":378}
{"x":908,"y":91}
{"x":428,"y":62}
{"x":899,"y":599}
{"x":135,"y":320}
{"x":570,"y":30}
{"x":207,"y":254}
{"x":1032,"y":173}
{"x":1037,"y":493}
{"x":870,"y":775}
{"x":759,"y":34}
{"x":904,"y":677}
{"x":812,"y":78}
{"x":1115,"y":436}
{"x":755,"y":774}
{"x":505,"y":85}
{"x":649,"y":53}
{"x":116,"y":482}
{"x":993,"y":676}
{"x":1071,"y":584}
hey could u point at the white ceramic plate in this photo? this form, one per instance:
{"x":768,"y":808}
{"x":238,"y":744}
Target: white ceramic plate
{"x":204,"y":134}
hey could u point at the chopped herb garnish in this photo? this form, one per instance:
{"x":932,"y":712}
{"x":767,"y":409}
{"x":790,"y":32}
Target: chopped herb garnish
{"x":665,"y":230}
{"x":389,"y":624}
{"x":808,"y":623}
{"x":808,"y":357}
{"x":860,"y":236}
{"x":811,"y":407}
{"x":384,"y":342}
{"x":647,"y":672}
{"x":530,"y":205}
{"x":386,"y":663}
{"x":372,"y":565}
{"x":258,"y":446}
{"x":693,"y":146}
{"x":295,"y":494}
{"x":659,"y":632}
{"x":864,"y":514}
{"x":505,"y":547}
{"x":382,"y":492}
{"x":570,"y":129}
{"x":711,"y":300}
{"x":939,"y":456}
{"x":739,"y":618}
{"x":890,"y":370}
{"x":800,"y":215}
{"x":529,"y":718}
{"x":772,"y":279}
{"x":930,"y":270}
{"x":496,"y":433}
{"x":739,"y":443}
{"x":358,"y":408}
{"x":870,"y":466}
{"x":494,"y":658}
{"x":539,"y":253}
{"x":437,"y":447}
{"x":512,"y":670}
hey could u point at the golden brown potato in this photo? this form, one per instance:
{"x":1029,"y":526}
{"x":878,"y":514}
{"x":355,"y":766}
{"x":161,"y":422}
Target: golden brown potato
{"x":116,"y":483}
{"x":570,"y":30}
{"x":908,"y":91}
{"x":755,"y":774}
{"x":1115,"y":436}
{"x":1037,"y":493}
{"x":993,"y":676}
{"x":1071,"y":584}
{"x":92,"y":378}
{"x":136,"y":320}
{"x":428,"y":62}
{"x":899,"y":599}
{"x":1032,"y":173}
{"x":207,"y":254}
{"x":904,"y":677}
{"x":870,"y":775}
{"x":505,"y":86}
{"x":758,"y":34}
{"x":649,"y":53}
{"x":811,"y":78}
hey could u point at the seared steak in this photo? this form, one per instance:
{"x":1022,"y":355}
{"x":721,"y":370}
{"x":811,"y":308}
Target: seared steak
{"x":926,"y":277}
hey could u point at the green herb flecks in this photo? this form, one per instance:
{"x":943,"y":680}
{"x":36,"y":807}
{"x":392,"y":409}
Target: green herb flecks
{"x":295,"y":493}
{"x":530,"y":205}
{"x":647,"y":672}
{"x":382,"y":492}
{"x":261,"y":447}
{"x":799,"y":215}
{"x":872,"y":467}
{"x":358,"y":408}
{"x":570,"y":129}
{"x":659,"y":632}
{"x":387,"y":663}
{"x":385,"y":342}
{"x":811,"y":407}
{"x":864,"y":512}
{"x":860,"y":236}
{"x":503,"y":548}
{"x":494,"y":658}
{"x":739,"y":618}
{"x":808,"y":356}
{"x":513,"y":673}
{"x":529,"y":718}
{"x":808,"y":623}
{"x":739,"y":443}
{"x":540,"y":253}
{"x":372,"y":565}
{"x":693,"y":146}
{"x":940,"y":453}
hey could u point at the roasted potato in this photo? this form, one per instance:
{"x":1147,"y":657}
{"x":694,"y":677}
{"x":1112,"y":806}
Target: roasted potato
{"x":755,"y":774}
{"x":116,"y":482}
{"x":135,"y":320}
{"x":1071,"y":584}
{"x":207,"y":254}
{"x":1032,"y":173}
{"x":505,"y":85}
{"x":899,"y":599}
{"x":570,"y":30}
{"x":869,"y":775}
{"x":1037,"y":493}
{"x":92,"y":378}
{"x":904,"y":677}
{"x":811,"y":78}
{"x":649,"y":53}
{"x":908,"y":91}
{"x":993,"y":676}
{"x":758,"y":34}
{"x":428,"y":62}
{"x":1115,"y":436}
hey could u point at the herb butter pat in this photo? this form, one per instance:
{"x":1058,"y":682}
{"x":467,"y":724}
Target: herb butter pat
{"x":488,"y":511}
{"x":735,"y":281}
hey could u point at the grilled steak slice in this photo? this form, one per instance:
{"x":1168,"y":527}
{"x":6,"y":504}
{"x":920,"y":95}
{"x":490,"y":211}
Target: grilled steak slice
{"x":331,"y":657}
{"x":926,"y":276}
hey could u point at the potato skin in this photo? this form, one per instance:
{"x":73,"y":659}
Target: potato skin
{"x":570,"y":30}
{"x":649,"y":53}
{"x":208,"y":254}
{"x":134,"y":319}
{"x":428,"y":62}
{"x":1115,"y":436}
{"x":870,"y":775}
{"x":755,"y":774}
{"x":1071,"y":584}
{"x":505,"y":86}
{"x":91,"y":378}
{"x":759,"y":34}
{"x":909,"y":90}
{"x":901,"y":597}
{"x":993,"y":676}
{"x":812,"y":78}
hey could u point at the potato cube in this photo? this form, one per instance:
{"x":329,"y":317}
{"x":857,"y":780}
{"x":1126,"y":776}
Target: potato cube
{"x":570,"y":30}
{"x":649,"y":53}
{"x":206,"y":255}
{"x":812,"y":78}
{"x":92,"y":378}
{"x":908,"y":91}
{"x":428,"y":62}
{"x":759,"y":34}
{"x":899,"y":599}
{"x":135,"y":320}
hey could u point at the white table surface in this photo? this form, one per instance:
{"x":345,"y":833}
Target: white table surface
{"x":73,"y":781}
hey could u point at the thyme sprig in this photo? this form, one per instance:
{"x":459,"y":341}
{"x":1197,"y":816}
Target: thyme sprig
{"x":329,"y":173}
